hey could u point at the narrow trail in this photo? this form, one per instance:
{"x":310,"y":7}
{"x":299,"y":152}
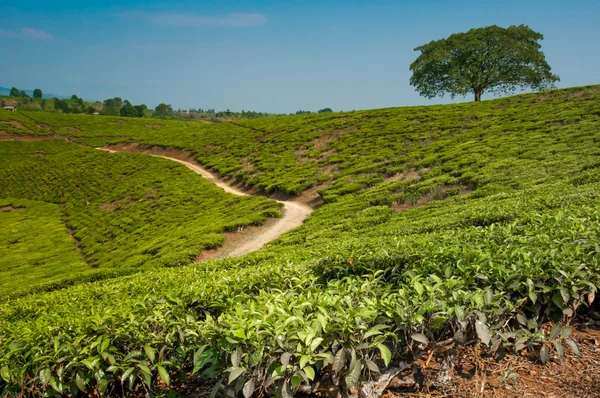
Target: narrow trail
{"x":294,"y":213}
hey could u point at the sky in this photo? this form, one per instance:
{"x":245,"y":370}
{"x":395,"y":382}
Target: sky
{"x":264,"y":55}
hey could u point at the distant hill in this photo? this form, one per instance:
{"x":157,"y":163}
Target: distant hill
{"x":6,"y":91}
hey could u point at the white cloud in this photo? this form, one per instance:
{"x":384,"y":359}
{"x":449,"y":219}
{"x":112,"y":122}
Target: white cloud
{"x":239,"y":20}
{"x":27,"y":33}
{"x":35,"y":33}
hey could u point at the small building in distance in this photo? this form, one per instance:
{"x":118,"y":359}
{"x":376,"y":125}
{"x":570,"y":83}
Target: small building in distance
{"x":10,"y":108}
{"x":96,"y":113}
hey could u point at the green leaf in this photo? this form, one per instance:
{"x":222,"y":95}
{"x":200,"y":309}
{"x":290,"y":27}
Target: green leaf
{"x":386,"y":354}
{"x":215,"y":389}
{"x":566,"y":332}
{"x":286,"y":391}
{"x":460,"y":312}
{"x":304,"y":359}
{"x":248,"y":389}
{"x":285,"y":358}
{"x":315,"y":344}
{"x":236,"y":357}
{"x":81,"y":383}
{"x":558,"y":300}
{"x":234,"y":373}
{"x":555,"y":332}
{"x":56,"y":385}
{"x":340,"y":360}
{"x":5,"y":373}
{"x":45,"y":375}
{"x":295,"y":381}
{"x":145,"y":370}
{"x":150,"y":353}
{"x":310,"y":372}
{"x":372,"y":366}
{"x":198,"y":354}
{"x":164,"y":375}
{"x":560,"y":350}
{"x":353,"y":375}
{"x":419,"y":288}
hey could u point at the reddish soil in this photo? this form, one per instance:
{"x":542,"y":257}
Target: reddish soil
{"x":477,"y":375}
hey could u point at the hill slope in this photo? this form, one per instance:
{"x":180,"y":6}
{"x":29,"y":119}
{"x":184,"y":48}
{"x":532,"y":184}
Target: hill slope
{"x":466,"y":221}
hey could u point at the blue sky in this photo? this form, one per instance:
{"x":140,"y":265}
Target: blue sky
{"x":266,"y":55}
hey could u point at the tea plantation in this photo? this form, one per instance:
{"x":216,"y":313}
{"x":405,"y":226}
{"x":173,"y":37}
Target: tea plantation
{"x":124,"y":212}
{"x":474,"y":222}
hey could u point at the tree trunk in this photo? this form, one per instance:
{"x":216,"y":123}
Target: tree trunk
{"x":478,"y":93}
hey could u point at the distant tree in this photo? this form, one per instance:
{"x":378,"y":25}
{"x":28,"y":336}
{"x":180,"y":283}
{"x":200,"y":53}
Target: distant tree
{"x":37,"y":93}
{"x":301,"y":112}
{"x":14,"y":92}
{"x":62,"y":105}
{"x":325,"y":110}
{"x":23,"y":94}
{"x":163,"y":110}
{"x":493,"y":59}
{"x":128,"y":110}
{"x":112,"y":107}
{"x":74,"y":97}
{"x":141,"y":110}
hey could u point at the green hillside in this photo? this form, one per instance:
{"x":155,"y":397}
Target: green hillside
{"x":464,"y":221}
{"x":126,"y":213}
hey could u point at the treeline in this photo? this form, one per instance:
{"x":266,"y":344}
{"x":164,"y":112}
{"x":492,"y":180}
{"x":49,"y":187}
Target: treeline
{"x":118,"y":107}
{"x":324,"y":110}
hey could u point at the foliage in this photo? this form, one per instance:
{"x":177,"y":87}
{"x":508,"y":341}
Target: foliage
{"x":37,"y":93}
{"x":465,"y":222}
{"x":14,"y":92}
{"x":491,"y":59}
{"x":162,"y":110}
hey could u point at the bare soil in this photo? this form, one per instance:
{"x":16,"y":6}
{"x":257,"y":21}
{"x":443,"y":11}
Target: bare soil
{"x":9,"y":209}
{"x":294,"y":212}
{"x":475,"y":374}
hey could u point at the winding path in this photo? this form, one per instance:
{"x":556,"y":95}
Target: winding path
{"x":294,"y":213}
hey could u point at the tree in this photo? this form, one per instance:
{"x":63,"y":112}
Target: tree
{"x":141,"y":109}
{"x":23,"y":94}
{"x":14,"y":92}
{"x":128,"y":110}
{"x":325,"y":110}
{"x":74,"y":97}
{"x":37,"y":93}
{"x":163,"y":110}
{"x":493,"y":59}
{"x":112,"y":107}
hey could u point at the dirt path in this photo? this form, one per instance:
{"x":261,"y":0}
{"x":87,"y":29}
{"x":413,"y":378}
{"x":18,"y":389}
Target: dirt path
{"x":294,"y":214}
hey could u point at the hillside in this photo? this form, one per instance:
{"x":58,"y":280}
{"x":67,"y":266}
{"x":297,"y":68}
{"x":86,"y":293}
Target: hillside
{"x":466,"y":223}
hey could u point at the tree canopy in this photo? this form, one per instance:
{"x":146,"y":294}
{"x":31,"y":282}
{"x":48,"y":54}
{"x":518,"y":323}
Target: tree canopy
{"x":14,"y":92}
{"x":37,"y":93}
{"x":490,"y":59}
{"x":163,"y":110}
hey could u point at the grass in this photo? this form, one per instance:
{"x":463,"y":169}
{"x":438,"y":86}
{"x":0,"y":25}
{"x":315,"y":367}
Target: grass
{"x":468,"y":221}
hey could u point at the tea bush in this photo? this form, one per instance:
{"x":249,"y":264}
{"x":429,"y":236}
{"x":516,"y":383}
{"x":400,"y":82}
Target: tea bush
{"x":465,"y":222}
